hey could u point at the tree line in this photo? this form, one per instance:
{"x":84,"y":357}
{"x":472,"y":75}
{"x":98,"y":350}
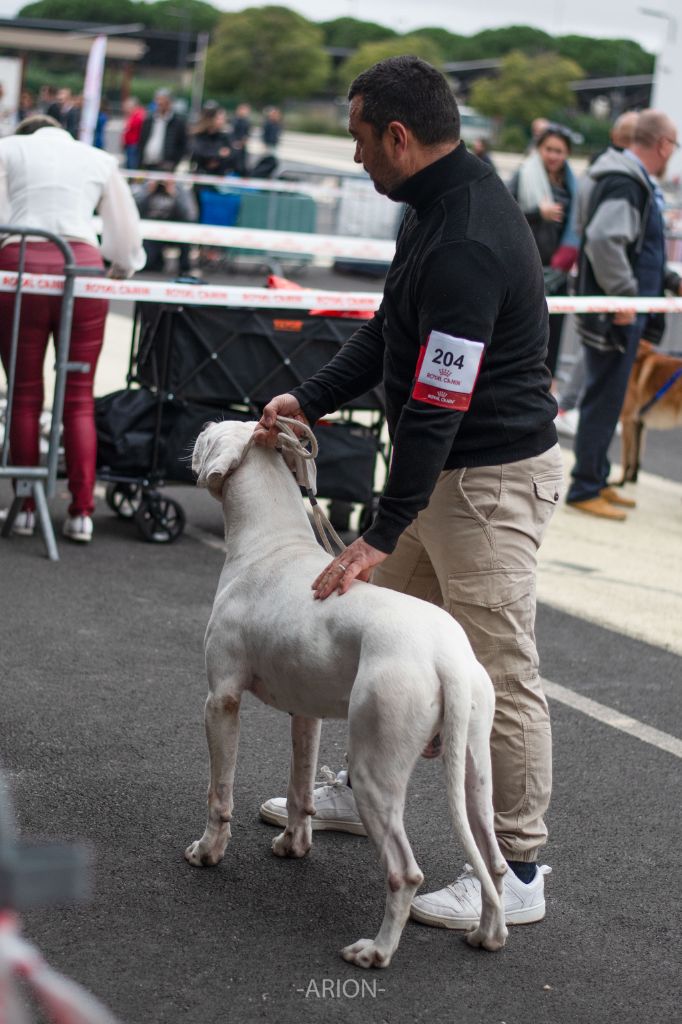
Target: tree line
{"x":273,"y":55}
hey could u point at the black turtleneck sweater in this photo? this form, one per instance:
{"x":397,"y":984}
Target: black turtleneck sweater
{"x":465,"y":265}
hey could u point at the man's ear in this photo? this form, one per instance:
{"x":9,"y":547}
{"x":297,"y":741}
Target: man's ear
{"x":399,"y":135}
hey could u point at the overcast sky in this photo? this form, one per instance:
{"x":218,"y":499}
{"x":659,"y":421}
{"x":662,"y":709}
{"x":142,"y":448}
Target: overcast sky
{"x":608,"y":18}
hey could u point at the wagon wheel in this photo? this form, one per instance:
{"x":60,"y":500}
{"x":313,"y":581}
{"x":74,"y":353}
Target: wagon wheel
{"x":160,"y":520}
{"x":123,"y":499}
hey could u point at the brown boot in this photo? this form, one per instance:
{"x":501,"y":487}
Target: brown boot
{"x":598,"y":507}
{"x":615,"y":498}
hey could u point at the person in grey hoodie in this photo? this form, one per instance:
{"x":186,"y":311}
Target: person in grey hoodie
{"x":623,"y":253}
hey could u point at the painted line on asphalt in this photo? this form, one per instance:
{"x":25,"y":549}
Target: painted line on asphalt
{"x":206,"y":538}
{"x":617,"y":720}
{"x":592,"y":708}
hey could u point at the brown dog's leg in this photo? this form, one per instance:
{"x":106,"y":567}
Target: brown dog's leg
{"x":638,"y":449}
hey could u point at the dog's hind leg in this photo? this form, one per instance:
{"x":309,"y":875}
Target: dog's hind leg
{"x":468,"y":716}
{"x":380,"y":767}
{"x":638,"y":450}
{"x":221,"y":718}
{"x":297,"y":837}
{"x":491,"y":932}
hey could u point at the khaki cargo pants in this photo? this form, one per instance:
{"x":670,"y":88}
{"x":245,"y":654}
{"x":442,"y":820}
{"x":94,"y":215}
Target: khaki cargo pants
{"x":473,"y":550}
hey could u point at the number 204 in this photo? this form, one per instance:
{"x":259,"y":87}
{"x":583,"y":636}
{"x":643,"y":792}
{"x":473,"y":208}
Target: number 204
{"x":447,"y":359}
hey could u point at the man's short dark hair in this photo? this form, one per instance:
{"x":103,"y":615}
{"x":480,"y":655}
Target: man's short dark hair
{"x":409,"y":90}
{"x":32,"y":123}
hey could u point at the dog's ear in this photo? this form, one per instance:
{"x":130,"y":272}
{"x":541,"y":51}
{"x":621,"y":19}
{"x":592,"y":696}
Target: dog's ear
{"x":218,"y":450}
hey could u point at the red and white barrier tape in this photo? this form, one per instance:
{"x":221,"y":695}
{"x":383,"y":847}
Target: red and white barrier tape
{"x":194,"y":294}
{"x":63,"y":1001}
{"x":324,"y":247}
{"x":231,"y":184}
{"x":605,"y":304}
{"x":273,"y":298}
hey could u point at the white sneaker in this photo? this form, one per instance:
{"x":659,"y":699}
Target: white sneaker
{"x":78,"y":528}
{"x":566,"y":422}
{"x":459,"y":905}
{"x":335,"y":806}
{"x":24,"y":523}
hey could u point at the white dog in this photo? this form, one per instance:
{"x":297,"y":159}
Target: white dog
{"x":400,"y":669}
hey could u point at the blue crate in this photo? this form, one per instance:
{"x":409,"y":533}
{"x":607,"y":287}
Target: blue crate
{"x":219,"y":209}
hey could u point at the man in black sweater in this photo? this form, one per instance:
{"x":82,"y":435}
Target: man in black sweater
{"x":459,"y":343}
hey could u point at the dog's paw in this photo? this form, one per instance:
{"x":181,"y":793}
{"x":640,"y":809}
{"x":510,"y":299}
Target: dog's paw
{"x":487,"y":940}
{"x":366,"y":953}
{"x":201,"y":856}
{"x":292,"y":844}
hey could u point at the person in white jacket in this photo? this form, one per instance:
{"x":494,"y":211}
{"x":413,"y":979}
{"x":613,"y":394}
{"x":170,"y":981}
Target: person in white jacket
{"x":48,"y":180}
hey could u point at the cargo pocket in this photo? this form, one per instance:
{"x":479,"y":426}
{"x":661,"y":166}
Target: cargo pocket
{"x":548,"y":488}
{"x":496,"y":610}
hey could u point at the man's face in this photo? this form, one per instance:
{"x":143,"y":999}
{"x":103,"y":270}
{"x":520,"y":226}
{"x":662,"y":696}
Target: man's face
{"x":372,"y":151}
{"x":666,"y":147}
{"x":163,"y":104}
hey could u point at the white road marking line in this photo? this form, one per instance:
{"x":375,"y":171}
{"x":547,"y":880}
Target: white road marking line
{"x":617,"y":720}
{"x":206,"y":538}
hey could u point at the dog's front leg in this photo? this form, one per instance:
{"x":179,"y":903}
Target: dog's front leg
{"x":221,"y":718}
{"x":296,"y":839}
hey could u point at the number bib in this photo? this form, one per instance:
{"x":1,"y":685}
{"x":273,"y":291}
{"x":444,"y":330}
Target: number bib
{"x":447,"y":370}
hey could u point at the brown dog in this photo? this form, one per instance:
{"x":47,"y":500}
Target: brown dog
{"x":651,"y":372}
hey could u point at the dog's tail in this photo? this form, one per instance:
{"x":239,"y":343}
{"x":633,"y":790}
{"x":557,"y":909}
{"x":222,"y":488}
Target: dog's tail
{"x":457,"y":714}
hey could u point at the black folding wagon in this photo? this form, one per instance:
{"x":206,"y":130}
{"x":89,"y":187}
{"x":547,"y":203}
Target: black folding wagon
{"x":193,"y":364}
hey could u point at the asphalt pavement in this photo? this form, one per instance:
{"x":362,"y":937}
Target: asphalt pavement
{"x":101,"y":739}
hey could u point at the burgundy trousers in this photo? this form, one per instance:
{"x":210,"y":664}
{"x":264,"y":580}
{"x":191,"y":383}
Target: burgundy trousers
{"x":39,"y":320}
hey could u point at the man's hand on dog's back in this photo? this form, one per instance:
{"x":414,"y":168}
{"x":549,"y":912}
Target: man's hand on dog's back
{"x":266,"y":432}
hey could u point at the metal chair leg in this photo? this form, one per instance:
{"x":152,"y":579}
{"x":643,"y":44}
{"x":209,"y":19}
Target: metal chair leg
{"x":12,"y":513}
{"x":46,"y":527}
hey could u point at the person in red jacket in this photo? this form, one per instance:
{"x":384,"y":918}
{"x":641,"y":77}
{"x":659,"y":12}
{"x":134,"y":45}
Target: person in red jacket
{"x":130,"y":138}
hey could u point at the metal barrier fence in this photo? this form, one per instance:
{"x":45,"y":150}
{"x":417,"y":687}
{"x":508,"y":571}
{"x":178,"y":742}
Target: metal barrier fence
{"x":338,"y":204}
{"x":39,"y":482}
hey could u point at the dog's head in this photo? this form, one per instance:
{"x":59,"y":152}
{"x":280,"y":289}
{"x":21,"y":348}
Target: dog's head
{"x":217,"y":451}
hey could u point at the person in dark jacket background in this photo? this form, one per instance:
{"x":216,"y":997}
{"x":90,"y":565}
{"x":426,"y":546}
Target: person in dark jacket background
{"x":165,"y":200}
{"x":623,"y":253}
{"x":210,"y":143}
{"x":163,"y":136}
{"x":459,"y":343}
{"x":272,"y":128}
{"x":66,"y":110}
{"x":546,"y":191}
{"x":240,"y":132}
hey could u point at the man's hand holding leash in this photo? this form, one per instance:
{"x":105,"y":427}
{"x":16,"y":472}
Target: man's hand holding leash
{"x":358,"y":560}
{"x":266,"y":433}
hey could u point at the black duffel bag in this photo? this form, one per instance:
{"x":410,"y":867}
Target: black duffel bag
{"x":127,"y":423}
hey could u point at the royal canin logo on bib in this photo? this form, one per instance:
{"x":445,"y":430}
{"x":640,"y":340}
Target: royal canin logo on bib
{"x":447,"y":369}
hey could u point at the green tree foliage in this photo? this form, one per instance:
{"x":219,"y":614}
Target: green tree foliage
{"x":116,"y":12}
{"x":370,"y":53}
{"x":606,"y":57}
{"x":527,"y":87}
{"x":178,"y":15}
{"x":496,"y":42}
{"x":451,"y":46}
{"x":351,"y":33}
{"x":198,"y":15}
{"x":267,"y":55}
